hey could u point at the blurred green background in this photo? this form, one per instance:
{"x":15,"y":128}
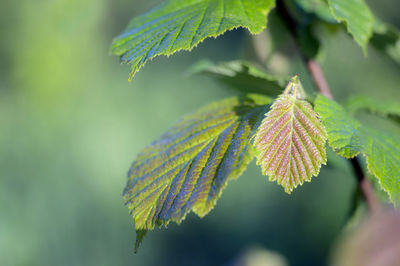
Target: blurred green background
{"x":71,"y":124}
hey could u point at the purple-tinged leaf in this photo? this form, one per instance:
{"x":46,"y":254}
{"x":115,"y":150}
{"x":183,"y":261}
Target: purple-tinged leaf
{"x":189,"y":166}
{"x":290,"y":141}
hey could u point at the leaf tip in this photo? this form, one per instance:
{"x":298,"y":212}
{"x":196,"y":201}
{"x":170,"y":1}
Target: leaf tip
{"x":295,"y":88}
{"x":140,"y":234}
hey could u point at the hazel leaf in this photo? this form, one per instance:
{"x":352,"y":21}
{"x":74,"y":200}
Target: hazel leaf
{"x":290,"y":141}
{"x":241,"y":76}
{"x":385,"y":109}
{"x":358,"y":18}
{"x":187,"y":168}
{"x":178,"y":25}
{"x":348,"y":137}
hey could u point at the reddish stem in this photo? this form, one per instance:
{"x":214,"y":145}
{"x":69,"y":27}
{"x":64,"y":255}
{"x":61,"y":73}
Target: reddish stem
{"x":318,"y":77}
{"x":320,"y":82}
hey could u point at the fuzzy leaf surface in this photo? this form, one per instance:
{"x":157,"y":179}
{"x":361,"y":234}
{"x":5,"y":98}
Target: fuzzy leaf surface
{"x":358,"y":18}
{"x":189,"y":166}
{"x":241,"y":76}
{"x":290,"y":141}
{"x":182,"y":24}
{"x":348,"y":137}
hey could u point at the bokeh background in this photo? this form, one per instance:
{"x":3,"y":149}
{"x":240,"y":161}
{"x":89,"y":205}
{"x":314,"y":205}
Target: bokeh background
{"x":71,"y":124}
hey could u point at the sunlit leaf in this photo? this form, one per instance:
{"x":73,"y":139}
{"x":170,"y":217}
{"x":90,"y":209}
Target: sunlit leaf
{"x":182,"y":24}
{"x":349,"y":138}
{"x":343,"y":134}
{"x":387,"y":109}
{"x":241,"y":76}
{"x":358,"y":18}
{"x":290,"y":141}
{"x":189,"y":166}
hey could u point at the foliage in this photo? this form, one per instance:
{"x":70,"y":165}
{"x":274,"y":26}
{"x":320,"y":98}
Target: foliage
{"x":357,"y":17}
{"x":182,"y":24}
{"x":358,"y":103}
{"x":291,"y":140}
{"x":386,"y":38}
{"x":349,"y":138}
{"x":241,"y":76}
{"x":188,"y":167}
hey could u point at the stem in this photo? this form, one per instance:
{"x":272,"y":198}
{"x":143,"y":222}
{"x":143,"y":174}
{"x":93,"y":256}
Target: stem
{"x":321,"y":84}
{"x":365,"y":186}
{"x":318,"y":77}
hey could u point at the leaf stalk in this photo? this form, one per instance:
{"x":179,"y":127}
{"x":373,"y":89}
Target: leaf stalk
{"x":318,"y":77}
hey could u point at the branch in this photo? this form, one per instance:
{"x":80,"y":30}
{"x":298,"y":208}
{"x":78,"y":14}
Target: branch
{"x":321,"y":84}
{"x":365,"y":186}
{"x":318,"y":77}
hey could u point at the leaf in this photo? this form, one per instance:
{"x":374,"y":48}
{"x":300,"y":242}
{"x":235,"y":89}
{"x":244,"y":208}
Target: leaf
{"x":189,"y":166}
{"x":290,"y":141}
{"x":343,"y":130}
{"x":349,"y":138}
{"x":182,"y":24}
{"x":310,"y":45}
{"x":304,"y":17}
{"x":358,"y":18}
{"x":386,"y":38}
{"x":241,"y":76}
{"x":318,"y":7}
{"x":385,"y":109}
{"x":140,"y":234}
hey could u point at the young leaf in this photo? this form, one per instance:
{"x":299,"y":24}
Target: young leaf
{"x":290,"y":141}
{"x":387,"y":109}
{"x":241,"y":76}
{"x":182,"y":24}
{"x":349,"y":138}
{"x":189,"y":166}
{"x":358,"y":18}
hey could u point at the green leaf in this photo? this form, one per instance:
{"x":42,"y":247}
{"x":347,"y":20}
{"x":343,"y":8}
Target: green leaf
{"x":343,"y":134}
{"x":318,"y":7}
{"x":386,"y":38}
{"x":385,"y":109}
{"x":302,"y":12}
{"x":241,"y":76}
{"x":290,"y":141}
{"x":140,"y":234}
{"x":358,"y":18}
{"x":310,"y":45}
{"x":189,"y":166}
{"x":182,"y":24}
{"x":349,"y":138}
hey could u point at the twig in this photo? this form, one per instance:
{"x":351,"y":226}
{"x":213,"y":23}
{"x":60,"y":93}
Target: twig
{"x":365,"y":186}
{"x":321,"y":84}
{"x":318,"y":77}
